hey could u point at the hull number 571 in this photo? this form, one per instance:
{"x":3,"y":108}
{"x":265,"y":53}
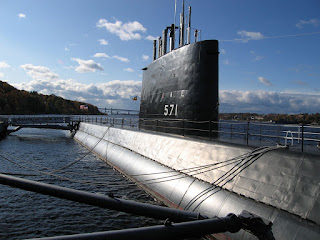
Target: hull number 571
{"x":170,"y":109}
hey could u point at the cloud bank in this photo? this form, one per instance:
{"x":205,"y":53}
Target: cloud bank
{"x":118,"y":94}
{"x":268,"y":102}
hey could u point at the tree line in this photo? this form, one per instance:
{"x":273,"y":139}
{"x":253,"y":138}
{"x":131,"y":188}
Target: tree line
{"x":302,"y":118}
{"x":19,"y":102}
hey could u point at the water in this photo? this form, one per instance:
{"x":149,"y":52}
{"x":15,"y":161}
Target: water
{"x":26,"y":214}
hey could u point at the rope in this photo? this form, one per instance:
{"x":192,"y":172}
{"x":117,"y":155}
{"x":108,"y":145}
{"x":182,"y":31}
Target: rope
{"x":229,"y":176}
{"x":78,"y":160}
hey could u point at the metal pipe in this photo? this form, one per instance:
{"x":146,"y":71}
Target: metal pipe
{"x":181,"y":39}
{"x":167,"y":231}
{"x":196,"y":35}
{"x":154,"y":49}
{"x":259,"y":227}
{"x":164,"y":41}
{"x":172,"y":36}
{"x":159,"y":47}
{"x":189,"y":26}
{"x":100,"y":200}
{"x":181,"y":31}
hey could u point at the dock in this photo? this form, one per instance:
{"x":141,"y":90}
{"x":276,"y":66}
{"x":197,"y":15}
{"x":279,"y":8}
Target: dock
{"x":62,"y":123}
{"x":3,"y":127}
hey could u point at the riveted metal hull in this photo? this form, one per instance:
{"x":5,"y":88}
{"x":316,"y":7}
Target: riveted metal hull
{"x":281,"y":186}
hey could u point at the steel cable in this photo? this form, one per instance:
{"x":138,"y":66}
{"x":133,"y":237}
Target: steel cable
{"x":230,"y":175}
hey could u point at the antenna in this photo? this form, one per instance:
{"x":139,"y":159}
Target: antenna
{"x":189,"y":26}
{"x":175,"y":12}
{"x":181,"y":37}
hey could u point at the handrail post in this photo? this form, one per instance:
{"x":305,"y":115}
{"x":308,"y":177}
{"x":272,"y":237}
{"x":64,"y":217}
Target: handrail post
{"x":209,"y":129}
{"x":302,"y":137}
{"x":182,"y":127}
{"x":248,"y":132}
{"x":157,"y":124}
{"x":260,"y":133}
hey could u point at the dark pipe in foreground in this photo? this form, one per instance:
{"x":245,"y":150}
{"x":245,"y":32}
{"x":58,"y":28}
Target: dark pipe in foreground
{"x":102,"y":201}
{"x":198,"y":228}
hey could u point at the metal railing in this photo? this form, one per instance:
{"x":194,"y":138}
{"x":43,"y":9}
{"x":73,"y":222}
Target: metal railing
{"x":109,"y":121}
{"x":250,"y":133}
{"x":116,"y":111}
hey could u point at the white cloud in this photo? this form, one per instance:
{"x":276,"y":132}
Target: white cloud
{"x":128,"y":70}
{"x":122,"y":59}
{"x":222,"y":51}
{"x":126,"y":31}
{"x":101,"y":55}
{"x":315,"y":22}
{"x":39,"y":72}
{"x":103,"y":42}
{"x":264,"y":81}
{"x":4,"y":65}
{"x":151,"y":38}
{"x":21,"y":15}
{"x":268,"y":102}
{"x":1,"y":74}
{"x":87,"y":65}
{"x":256,"y":57}
{"x":116,"y":93}
{"x":145,"y":57}
{"x":246,"y":36}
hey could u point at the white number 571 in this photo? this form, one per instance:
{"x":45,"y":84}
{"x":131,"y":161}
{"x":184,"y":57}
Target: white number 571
{"x":170,"y":110}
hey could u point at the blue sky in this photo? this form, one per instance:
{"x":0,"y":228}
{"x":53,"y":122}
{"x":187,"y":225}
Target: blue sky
{"x":94,"y":51}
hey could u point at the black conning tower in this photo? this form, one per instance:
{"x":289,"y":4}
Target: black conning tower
{"x":180,"y":89}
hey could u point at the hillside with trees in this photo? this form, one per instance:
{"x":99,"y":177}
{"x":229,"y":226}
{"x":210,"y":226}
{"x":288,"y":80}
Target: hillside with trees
{"x":18,"y":102}
{"x":304,"y":118}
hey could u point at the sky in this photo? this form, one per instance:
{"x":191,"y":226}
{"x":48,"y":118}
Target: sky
{"x":93,"y":50}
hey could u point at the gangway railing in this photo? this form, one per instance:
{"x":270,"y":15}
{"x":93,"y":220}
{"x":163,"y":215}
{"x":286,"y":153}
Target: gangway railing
{"x":31,"y":120}
{"x":116,"y":111}
{"x":250,"y":133}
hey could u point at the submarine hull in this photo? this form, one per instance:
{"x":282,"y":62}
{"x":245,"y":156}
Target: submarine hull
{"x":280,"y":186}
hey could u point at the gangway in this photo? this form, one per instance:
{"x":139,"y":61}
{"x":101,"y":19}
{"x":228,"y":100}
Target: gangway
{"x":50,"y":122}
{"x":116,"y":111}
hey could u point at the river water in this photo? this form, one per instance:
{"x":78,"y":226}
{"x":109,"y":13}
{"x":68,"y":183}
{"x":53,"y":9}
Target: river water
{"x":26,"y":214}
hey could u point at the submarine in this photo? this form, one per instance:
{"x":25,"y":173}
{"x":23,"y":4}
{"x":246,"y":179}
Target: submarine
{"x":212,"y":178}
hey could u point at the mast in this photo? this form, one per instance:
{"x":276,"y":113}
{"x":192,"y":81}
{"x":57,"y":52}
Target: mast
{"x":181,"y":39}
{"x":189,"y":26}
